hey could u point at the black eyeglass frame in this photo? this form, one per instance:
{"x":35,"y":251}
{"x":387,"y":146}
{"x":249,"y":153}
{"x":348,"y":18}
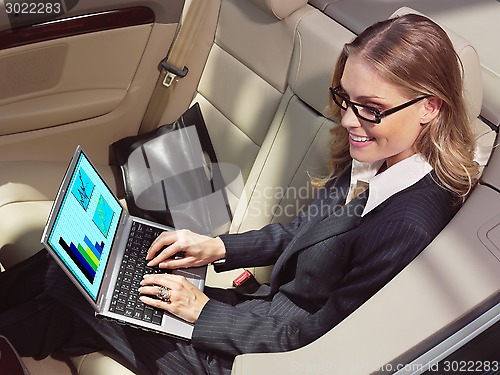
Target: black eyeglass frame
{"x":334,"y":91}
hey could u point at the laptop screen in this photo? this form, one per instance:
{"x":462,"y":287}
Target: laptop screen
{"x":85,"y":225}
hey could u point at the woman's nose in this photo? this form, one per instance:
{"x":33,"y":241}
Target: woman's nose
{"x":349,"y":119}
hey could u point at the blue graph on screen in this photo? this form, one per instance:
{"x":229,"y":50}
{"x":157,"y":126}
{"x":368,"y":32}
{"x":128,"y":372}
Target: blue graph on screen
{"x":83,"y":188}
{"x":103,"y":216}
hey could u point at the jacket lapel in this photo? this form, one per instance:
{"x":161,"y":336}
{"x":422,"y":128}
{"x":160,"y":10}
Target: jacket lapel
{"x":321,"y":227}
{"x":340,"y":221}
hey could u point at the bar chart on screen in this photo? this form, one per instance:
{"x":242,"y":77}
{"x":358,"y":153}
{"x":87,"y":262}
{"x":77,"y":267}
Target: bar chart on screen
{"x":86,"y":256}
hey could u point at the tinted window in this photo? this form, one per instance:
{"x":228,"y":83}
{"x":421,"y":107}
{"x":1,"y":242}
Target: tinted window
{"x":479,"y":356}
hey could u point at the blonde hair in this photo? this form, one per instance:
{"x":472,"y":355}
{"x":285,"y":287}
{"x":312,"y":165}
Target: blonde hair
{"x":416,"y":55}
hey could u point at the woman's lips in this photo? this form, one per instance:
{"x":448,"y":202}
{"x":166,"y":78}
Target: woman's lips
{"x":360,"y":141}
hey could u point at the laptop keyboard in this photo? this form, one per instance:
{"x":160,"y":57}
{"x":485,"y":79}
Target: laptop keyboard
{"x":125,"y":300}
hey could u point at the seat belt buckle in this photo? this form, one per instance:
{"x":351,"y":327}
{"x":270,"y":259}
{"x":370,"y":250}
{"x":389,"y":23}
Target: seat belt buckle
{"x":172,"y":73}
{"x":241,"y":279}
{"x":246,"y":283}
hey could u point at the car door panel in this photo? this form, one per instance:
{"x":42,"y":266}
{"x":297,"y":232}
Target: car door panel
{"x":167,"y":11}
{"x":84,"y":79}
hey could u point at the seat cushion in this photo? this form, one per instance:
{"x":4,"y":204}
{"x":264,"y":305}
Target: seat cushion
{"x":99,"y":363}
{"x":27,"y":190}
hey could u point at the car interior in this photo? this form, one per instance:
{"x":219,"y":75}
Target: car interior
{"x":260,"y":71}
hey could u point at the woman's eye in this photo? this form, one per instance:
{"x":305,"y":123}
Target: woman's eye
{"x":370,"y":110}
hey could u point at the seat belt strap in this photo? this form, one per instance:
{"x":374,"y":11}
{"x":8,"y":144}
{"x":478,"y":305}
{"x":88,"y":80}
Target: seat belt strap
{"x":177,"y":57}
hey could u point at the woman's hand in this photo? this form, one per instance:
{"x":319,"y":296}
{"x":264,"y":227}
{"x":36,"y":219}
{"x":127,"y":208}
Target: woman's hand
{"x":180,"y":297}
{"x":195,"y":250}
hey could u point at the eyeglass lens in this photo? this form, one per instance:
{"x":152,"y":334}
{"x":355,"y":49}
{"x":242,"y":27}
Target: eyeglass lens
{"x":363,"y":112}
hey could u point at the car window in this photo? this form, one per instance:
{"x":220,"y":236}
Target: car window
{"x":481,"y":355}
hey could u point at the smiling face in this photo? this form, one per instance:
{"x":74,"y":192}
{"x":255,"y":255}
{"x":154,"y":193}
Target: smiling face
{"x":392,"y":140}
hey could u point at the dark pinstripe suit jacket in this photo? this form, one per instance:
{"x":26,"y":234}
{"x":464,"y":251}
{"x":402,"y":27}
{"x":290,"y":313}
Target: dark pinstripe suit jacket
{"x":317,"y":282}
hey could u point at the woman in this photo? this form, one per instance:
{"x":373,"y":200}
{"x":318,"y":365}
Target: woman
{"x":403,"y":133}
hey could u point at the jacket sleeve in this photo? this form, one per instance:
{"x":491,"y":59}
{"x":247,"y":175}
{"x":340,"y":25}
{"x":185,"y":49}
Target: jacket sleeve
{"x":230,"y":330}
{"x":263,"y":247}
{"x":257,"y":248}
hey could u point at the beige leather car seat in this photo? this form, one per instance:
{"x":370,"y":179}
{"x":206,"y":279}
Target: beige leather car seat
{"x":448,"y":280}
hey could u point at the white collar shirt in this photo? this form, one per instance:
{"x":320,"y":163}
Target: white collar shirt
{"x":387,"y":183}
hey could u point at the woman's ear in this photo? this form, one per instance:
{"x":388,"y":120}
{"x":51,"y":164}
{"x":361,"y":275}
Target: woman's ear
{"x":430,"y":109}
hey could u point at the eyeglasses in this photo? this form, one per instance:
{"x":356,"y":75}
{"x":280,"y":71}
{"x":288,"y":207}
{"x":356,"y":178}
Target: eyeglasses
{"x":366,"y":112}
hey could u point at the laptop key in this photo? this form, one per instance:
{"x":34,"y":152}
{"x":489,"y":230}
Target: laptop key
{"x":138,"y":314}
{"x":157,"y":319}
{"x":148,"y":314}
{"x":129,"y":312}
{"x":120,"y":308}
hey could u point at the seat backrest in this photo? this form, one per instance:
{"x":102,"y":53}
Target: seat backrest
{"x":473,"y":89}
{"x":245,"y":77}
{"x":297,"y":144}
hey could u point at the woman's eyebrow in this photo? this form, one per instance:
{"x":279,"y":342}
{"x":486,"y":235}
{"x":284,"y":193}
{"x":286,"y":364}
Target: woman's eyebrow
{"x":362,"y":97}
{"x":369,"y":97}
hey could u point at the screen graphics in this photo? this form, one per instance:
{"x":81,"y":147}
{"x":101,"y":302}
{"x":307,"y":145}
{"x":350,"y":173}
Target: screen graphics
{"x":85,"y":226}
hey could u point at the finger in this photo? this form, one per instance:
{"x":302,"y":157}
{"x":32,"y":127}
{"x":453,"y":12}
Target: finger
{"x":169,"y":252}
{"x":166,"y":280}
{"x":164,"y":239}
{"x":156,"y":280}
{"x":153,"y":302}
{"x":149,"y":290}
{"x":175,"y":263}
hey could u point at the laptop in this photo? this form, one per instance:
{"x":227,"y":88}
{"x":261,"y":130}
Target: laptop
{"x":102,"y":248}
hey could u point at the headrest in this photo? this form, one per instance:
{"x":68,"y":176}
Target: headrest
{"x":314,"y":56}
{"x":473,"y":88}
{"x":310,"y":76}
{"x":280,"y":8}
